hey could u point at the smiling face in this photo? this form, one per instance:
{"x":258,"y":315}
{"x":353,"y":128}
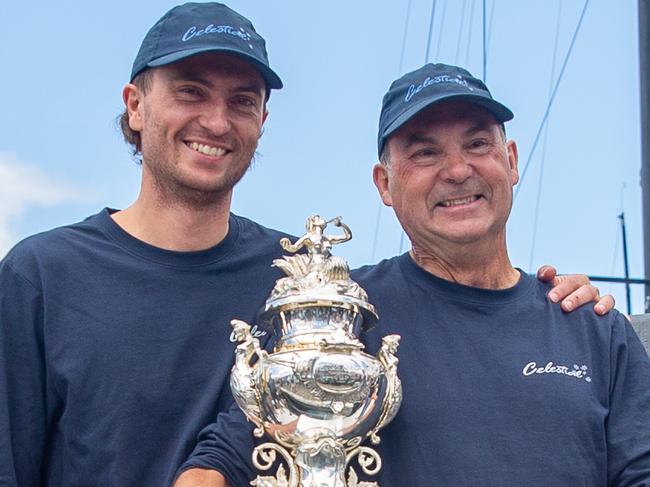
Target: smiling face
{"x":199,"y":123}
{"x":449,"y":177}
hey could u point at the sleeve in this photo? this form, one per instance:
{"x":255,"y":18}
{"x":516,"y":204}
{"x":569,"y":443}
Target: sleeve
{"x":22,"y":381}
{"x":628,"y":422}
{"x":226,"y":446}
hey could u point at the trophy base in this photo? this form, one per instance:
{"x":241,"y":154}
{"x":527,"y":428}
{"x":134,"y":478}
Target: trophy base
{"x":320,"y":463}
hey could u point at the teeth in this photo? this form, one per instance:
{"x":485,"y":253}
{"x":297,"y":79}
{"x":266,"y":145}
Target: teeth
{"x":207,"y":149}
{"x":460,"y":201}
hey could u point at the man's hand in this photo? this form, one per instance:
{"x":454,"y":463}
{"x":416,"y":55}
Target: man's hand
{"x":199,"y":477}
{"x":574,"y":290}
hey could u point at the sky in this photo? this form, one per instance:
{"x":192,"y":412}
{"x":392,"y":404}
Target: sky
{"x":65,"y":63}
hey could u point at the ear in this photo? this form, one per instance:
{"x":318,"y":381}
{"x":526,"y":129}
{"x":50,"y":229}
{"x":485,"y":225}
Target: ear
{"x":381,"y":177}
{"x":132,"y":97}
{"x":266,"y":114}
{"x":513,"y":160}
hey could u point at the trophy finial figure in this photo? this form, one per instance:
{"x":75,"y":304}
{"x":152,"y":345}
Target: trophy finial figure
{"x":317,"y":271}
{"x":315,"y":240}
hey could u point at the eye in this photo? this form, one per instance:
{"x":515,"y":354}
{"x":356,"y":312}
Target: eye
{"x":189,"y":91}
{"x":244,"y":101}
{"x":479,"y":145}
{"x":424,"y":155}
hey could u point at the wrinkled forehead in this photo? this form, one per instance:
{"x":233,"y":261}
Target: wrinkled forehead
{"x":436,"y":120}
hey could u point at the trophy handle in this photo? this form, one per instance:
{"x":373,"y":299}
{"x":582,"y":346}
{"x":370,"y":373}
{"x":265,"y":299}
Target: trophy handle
{"x":243,"y":381}
{"x":388,"y":359}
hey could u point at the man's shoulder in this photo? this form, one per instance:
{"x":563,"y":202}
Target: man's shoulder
{"x":57,"y":243}
{"x":252,"y":228}
{"x":582,"y":324}
{"x":258,"y":239}
{"x":385,"y":267}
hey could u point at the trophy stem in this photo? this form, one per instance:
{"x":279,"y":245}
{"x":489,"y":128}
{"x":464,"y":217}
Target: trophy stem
{"x":321,"y":463}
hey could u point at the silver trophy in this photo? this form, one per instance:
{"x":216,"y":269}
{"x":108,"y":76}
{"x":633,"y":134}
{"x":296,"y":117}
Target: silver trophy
{"x":318,"y":396}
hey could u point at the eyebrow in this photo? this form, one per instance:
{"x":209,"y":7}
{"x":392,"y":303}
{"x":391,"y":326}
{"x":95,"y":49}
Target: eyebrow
{"x":423,"y":138}
{"x":255,"y":88}
{"x":416,"y":138}
{"x":479,"y":126}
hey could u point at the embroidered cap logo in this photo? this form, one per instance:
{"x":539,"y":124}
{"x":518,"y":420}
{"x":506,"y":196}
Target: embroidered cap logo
{"x":219,"y":29}
{"x":428,"y":81}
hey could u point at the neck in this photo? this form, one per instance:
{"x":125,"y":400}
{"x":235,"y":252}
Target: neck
{"x":489,"y":269}
{"x":176,"y":226}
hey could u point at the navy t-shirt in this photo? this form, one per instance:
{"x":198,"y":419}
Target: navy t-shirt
{"x":114,"y":353}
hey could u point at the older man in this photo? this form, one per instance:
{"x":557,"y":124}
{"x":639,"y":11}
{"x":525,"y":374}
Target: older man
{"x":500,"y":386}
{"x":514,"y":391}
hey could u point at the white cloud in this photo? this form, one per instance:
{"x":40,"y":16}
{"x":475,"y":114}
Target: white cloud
{"x":23,"y":185}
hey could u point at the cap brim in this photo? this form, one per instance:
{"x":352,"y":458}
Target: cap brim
{"x":272,"y":79}
{"x":500,"y":112}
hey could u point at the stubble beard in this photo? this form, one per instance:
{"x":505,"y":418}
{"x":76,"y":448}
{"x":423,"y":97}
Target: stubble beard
{"x":178,"y":191}
{"x":174,"y":188}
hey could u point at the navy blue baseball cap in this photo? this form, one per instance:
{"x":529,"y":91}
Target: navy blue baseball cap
{"x":432,"y":83}
{"x":194,"y":28}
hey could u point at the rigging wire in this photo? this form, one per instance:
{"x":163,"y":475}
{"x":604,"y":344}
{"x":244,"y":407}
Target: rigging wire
{"x":406,"y":25}
{"x":552,"y":98}
{"x":460,"y":30}
{"x":469,"y":35}
{"x":433,"y":13}
{"x":544,"y":142}
{"x":399,"y":71}
{"x":489,"y":39}
{"x":484,"y":45}
{"x":401,"y":242}
{"x":612,"y":272}
{"x":617,"y":232}
{"x":376,"y":236}
{"x":442,"y":24}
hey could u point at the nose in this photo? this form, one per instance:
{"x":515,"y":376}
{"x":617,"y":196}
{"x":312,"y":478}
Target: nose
{"x":457,"y":169}
{"x":216,"y":118}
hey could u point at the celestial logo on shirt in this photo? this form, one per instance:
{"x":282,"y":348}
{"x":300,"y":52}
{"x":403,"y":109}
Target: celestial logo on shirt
{"x":576,"y":372}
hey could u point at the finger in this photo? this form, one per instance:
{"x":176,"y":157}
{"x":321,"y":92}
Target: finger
{"x":565,"y":285}
{"x":583,"y":295}
{"x":546,"y":273}
{"x":604,"y":305}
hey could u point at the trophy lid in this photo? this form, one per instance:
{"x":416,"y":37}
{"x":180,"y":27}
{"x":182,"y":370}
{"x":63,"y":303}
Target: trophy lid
{"x":317,"y":278}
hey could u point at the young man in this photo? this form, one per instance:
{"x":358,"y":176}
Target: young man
{"x":114,"y":331}
{"x":500,"y":387}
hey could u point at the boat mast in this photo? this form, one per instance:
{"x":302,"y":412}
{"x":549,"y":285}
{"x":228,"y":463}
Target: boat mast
{"x":644,"y":65}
